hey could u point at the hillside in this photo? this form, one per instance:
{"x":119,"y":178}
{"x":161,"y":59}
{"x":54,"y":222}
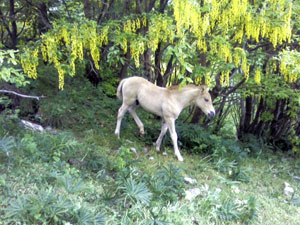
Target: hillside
{"x":81,"y":173}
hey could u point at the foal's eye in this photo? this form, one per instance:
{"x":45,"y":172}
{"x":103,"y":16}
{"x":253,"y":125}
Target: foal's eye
{"x":206,"y":99}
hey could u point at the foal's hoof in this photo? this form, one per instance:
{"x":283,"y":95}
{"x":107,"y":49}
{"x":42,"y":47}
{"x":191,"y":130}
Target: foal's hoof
{"x":141,"y":135}
{"x":118,"y":135}
{"x":180,"y":159}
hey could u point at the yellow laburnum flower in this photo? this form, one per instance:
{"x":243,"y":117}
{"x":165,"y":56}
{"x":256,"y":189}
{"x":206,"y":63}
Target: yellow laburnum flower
{"x":207,"y":79}
{"x":227,"y":78}
{"x":257,"y":76}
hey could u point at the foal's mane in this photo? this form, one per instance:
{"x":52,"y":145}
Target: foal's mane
{"x":178,"y":87}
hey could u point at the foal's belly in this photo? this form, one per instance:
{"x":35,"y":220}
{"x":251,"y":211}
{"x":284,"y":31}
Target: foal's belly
{"x":151,"y":98}
{"x":151,"y":103}
{"x":152,"y":108}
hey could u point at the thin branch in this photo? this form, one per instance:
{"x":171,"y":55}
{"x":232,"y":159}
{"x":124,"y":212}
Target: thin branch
{"x":19,"y":33}
{"x":21,"y":95}
{"x":151,"y":65}
{"x":235,"y":87}
{"x":20,"y":9}
{"x":92,"y":67}
{"x":4,"y":22}
{"x":39,"y":9}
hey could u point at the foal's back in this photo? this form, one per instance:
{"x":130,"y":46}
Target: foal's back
{"x":148,"y":95}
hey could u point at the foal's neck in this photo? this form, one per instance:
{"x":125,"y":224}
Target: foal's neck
{"x":186,"y":96}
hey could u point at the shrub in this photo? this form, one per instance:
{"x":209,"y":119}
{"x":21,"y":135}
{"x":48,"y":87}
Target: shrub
{"x":124,"y":157}
{"x":76,"y":106}
{"x":47,"y":147}
{"x":236,"y":210}
{"x":195,"y":138}
{"x":7,"y":144}
{"x":49,"y":207}
{"x":226,"y":210}
{"x":8,"y":118}
{"x":135,"y":192}
{"x":168,"y":183}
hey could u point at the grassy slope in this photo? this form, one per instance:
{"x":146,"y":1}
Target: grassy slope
{"x":267,"y":174}
{"x":267,"y":177}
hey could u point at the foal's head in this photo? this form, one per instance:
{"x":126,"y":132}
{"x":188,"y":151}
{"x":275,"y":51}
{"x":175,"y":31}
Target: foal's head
{"x":204,"y":102}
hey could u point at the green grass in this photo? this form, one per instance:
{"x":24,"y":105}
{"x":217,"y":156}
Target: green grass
{"x":85,"y":175}
{"x":99,"y":191}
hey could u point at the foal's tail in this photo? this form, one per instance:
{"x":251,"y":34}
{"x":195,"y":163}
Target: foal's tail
{"x":119,"y":90}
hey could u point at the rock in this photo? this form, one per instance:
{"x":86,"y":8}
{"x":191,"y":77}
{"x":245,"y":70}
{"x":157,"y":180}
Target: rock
{"x":32,"y":126}
{"x":151,"y":158}
{"x":129,"y":141}
{"x":218,"y":190}
{"x":296,"y":178}
{"x":205,"y":187}
{"x":288,"y":190}
{"x":235,"y":189}
{"x":165,"y":154}
{"x":190,"y":180}
{"x":50,"y":130}
{"x":75,"y":162}
{"x":190,"y":194}
{"x":133,"y":150}
{"x":145,"y":150}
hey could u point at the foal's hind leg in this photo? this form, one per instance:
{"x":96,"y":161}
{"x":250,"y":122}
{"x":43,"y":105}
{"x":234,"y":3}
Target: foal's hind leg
{"x":137,"y":120}
{"x":164,"y":129}
{"x":122,"y":110}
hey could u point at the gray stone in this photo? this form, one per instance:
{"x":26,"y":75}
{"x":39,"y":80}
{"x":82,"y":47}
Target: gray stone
{"x":191,"y":194}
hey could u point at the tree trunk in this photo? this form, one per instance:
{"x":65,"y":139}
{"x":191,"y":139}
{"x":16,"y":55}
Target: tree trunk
{"x":158,"y":76}
{"x":87,"y":9}
{"x":14,"y":32}
{"x":123,"y":71}
{"x":44,"y":23}
{"x":147,"y":67}
{"x":260,"y":109}
{"x":245,"y":118}
{"x":198,"y":113}
{"x":169,"y":71}
{"x":248,"y":114}
{"x":196,"y":116}
{"x":162,"y":5}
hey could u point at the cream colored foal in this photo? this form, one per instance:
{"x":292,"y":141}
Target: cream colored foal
{"x":164,"y":102}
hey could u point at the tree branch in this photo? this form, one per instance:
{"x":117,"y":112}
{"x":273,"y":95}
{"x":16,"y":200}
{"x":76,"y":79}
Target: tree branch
{"x":4,"y":22}
{"x":21,"y":95}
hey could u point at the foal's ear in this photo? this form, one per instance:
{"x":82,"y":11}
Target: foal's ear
{"x":204,"y":88}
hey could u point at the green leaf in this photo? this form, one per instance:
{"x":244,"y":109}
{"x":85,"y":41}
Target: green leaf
{"x":100,"y":219}
{"x":70,"y":184}
{"x":137,"y":191}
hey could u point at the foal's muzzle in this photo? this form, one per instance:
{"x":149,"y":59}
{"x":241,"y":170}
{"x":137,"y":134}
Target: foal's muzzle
{"x":211,"y":115}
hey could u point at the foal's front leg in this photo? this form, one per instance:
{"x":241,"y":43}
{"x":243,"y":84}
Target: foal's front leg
{"x":164,"y":129}
{"x":171,"y":125}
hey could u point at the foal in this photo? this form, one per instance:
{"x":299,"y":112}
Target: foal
{"x":164,"y":102}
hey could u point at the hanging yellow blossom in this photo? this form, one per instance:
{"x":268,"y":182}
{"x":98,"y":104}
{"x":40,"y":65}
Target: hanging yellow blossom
{"x":137,"y":47}
{"x":290,"y":65}
{"x":227,"y":78}
{"x":257,"y":76}
{"x":207,"y":79}
{"x":29,"y":62}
